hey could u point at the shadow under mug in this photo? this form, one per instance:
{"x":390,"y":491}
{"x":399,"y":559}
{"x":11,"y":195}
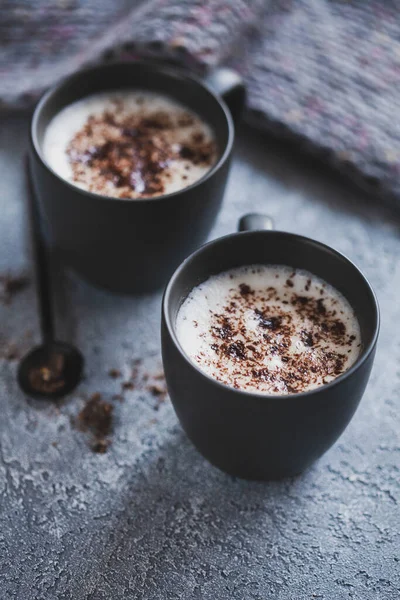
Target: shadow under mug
{"x":258,"y":436}
{"x":134,"y":245}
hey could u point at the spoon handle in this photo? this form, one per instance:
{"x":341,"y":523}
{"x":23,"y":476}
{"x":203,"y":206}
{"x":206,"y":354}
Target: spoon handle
{"x":41,"y":263}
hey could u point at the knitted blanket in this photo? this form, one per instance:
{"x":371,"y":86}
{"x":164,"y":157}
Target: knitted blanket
{"x":326,"y":72}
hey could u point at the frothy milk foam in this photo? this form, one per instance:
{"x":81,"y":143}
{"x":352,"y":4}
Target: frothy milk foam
{"x":129,"y":144}
{"x":269,"y":329}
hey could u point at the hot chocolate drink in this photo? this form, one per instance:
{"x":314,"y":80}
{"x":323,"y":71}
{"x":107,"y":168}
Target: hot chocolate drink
{"x":269,"y":330}
{"x":129,"y":144}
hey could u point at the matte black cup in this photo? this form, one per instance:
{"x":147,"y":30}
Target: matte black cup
{"x":134,"y":245}
{"x":257,"y":436}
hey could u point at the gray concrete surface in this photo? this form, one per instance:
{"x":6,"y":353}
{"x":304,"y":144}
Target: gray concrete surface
{"x":151,"y":518}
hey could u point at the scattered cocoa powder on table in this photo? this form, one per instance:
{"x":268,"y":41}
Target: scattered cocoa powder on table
{"x":10,"y":285}
{"x":97,"y":415}
{"x":96,"y":418}
{"x":12,"y":350}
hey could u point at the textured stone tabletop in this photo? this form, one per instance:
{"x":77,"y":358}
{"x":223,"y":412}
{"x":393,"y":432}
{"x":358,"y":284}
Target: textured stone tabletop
{"x":151,"y":518}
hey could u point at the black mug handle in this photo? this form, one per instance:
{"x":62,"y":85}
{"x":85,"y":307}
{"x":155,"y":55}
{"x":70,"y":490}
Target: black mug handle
{"x":255,"y":222}
{"x":230,"y":86}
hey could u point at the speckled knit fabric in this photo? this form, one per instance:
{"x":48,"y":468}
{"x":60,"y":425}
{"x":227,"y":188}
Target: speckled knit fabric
{"x":324,"y":72}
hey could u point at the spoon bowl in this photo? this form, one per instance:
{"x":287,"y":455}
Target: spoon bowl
{"x":51,"y":370}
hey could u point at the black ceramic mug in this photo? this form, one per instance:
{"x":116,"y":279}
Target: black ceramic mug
{"x":134,"y":245}
{"x":259,"y":436}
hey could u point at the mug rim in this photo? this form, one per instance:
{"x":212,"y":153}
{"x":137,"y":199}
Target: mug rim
{"x":361,"y":359}
{"x":155,"y":67}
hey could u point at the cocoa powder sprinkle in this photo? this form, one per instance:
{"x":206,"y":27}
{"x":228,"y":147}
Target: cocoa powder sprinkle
{"x":258,"y":341}
{"x":129,"y":154}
